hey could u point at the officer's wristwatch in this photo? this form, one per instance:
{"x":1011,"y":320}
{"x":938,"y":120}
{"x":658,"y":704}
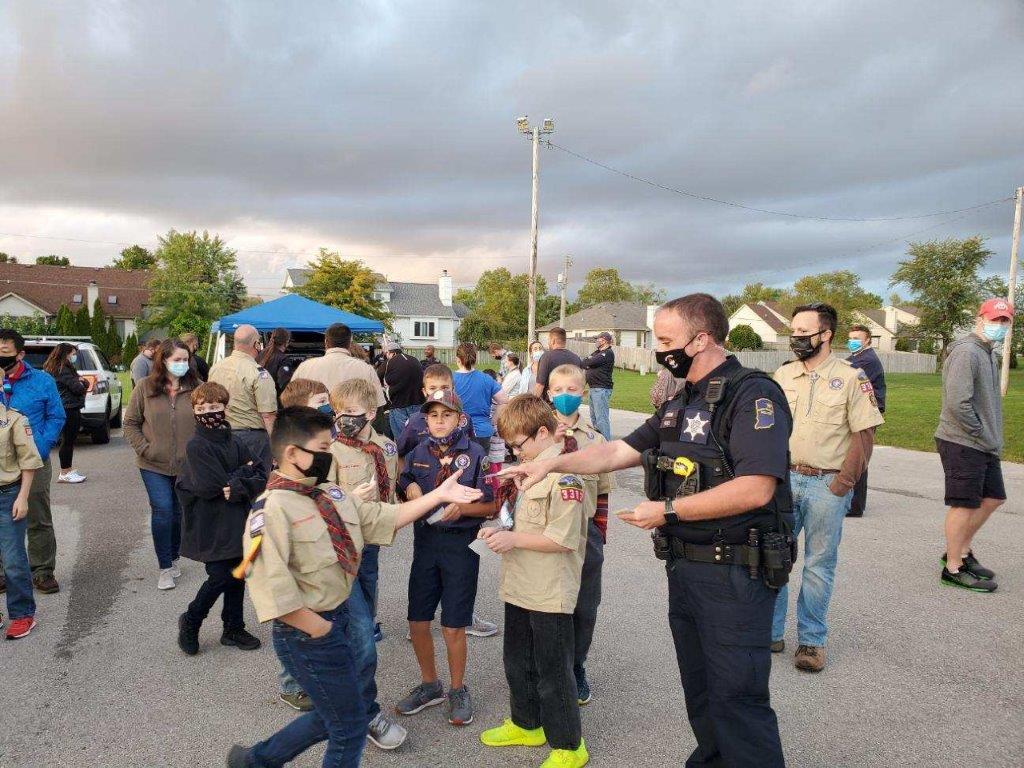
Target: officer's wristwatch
{"x":670,"y":513}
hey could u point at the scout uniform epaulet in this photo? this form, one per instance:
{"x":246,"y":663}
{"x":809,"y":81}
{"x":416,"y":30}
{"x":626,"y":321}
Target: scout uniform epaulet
{"x":257,"y":521}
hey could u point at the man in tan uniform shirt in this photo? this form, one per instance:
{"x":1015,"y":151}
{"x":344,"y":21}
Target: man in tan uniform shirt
{"x":834,"y":419}
{"x":253,"y":404}
{"x":337,"y":364}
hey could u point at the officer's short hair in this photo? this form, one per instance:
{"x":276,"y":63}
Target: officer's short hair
{"x":861,"y":329}
{"x":439,"y":372}
{"x":9,"y":334}
{"x":827,"y":316}
{"x":299,"y":391}
{"x":357,"y":392}
{"x":524,"y":415}
{"x":338,"y":335}
{"x":701,"y":312}
{"x":558,"y":333}
{"x":209,"y":392}
{"x":570,"y":371}
{"x":297,"y":425}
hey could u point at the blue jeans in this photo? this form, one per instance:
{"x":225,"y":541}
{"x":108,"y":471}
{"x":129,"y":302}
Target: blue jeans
{"x":398,"y":417}
{"x":165,"y":521}
{"x":820,"y":513}
{"x":326,"y":670}
{"x":599,"y":399}
{"x":20,"y":602}
{"x":369,"y":568}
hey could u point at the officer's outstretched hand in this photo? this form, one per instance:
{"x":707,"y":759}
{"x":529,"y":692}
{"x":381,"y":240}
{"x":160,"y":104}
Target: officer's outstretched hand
{"x":525,"y":475}
{"x":454,"y":493}
{"x":646,"y":515}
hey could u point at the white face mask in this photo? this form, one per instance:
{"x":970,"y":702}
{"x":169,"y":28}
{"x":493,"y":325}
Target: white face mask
{"x":73,"y":359}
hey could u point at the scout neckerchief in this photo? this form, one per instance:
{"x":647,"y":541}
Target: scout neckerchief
{"x":507,"y":496}
{"x":341,"y":539}
{"x":380,"y":467}
{"x":445,"y":459}
{"x":570,"y":445}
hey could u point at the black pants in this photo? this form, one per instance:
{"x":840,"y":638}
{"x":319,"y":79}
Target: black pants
{"x":219,"y":582}
{"x":538,"y":666}
{"x":860,"y":497}
{"x":72,"y":423}
{"x":721,"y":623}
{"x":585,"y":616}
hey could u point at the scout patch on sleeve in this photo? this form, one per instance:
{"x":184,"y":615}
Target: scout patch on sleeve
{"x":835,"y":383}
{"x":861,"y":374}
{"x":463,"y":421}
{"x":866,"y":388}
{"x":571,"y":488}
{"x":390,"y":449}
{"x":336,"y":493}
{"x":28,"y":429}
{"x":256,"y":523}
{"x":462,"y":461}
{"x":764,"y":413}
{"x":262,"y":372}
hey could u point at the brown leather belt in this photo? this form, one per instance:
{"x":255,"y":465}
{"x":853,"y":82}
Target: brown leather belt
{"x":803,"y":469}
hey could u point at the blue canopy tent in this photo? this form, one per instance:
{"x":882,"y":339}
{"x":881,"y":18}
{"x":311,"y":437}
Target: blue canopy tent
{"x":294,"y":312}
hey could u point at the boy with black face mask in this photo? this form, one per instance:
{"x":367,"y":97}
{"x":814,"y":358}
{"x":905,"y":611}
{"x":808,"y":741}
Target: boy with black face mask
{"x":217,"y":484}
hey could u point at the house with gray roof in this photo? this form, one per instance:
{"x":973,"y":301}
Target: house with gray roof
{"x":424,"y":313}
{"x":627,"y":322}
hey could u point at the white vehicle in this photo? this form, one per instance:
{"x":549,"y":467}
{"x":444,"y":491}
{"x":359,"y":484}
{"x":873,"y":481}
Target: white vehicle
{"x":102,"y":409}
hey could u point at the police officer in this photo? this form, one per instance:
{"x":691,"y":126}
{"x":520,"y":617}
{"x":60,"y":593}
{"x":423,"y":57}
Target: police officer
{"x":253,"y":404}
{"x":716,"y":466}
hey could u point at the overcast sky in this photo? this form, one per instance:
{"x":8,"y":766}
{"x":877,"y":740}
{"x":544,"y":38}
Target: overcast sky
{"x":386,"y":130}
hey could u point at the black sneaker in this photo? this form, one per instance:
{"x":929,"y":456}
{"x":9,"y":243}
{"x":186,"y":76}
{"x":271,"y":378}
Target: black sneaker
{"x":240,"y":639}
{"x":239,"y":757}
{"x":188,"y":635}
{"x":974,"y":566}
{"x":964,"y":579}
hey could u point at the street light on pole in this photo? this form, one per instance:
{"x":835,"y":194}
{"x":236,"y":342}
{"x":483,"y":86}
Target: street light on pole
{"x":523,"y":124}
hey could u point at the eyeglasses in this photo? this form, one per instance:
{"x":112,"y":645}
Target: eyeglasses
{"x":519,"y":447}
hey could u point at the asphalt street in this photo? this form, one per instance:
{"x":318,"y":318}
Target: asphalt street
{"x":918,"y":675}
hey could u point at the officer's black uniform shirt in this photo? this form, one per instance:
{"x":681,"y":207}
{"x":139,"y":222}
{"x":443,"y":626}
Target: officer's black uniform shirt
{"x":599,"y":367}
{"x":756,"y":431}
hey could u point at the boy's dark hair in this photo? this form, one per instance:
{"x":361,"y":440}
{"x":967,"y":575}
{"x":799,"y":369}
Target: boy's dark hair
{"x":9,"y":334}
{"x":701,"y":312}
{"x":337,"y":335}
{"x":827,"y":316}
{"x":209,"y":392}
{"x":295,"y":426}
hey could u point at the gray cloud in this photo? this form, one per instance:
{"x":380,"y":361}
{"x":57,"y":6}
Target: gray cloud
{"x":387,"y":128}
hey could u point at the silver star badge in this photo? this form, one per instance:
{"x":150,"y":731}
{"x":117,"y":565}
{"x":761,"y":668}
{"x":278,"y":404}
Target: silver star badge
{"x":695,"y":427}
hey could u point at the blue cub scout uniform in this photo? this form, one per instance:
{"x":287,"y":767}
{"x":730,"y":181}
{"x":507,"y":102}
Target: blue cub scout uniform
{"x":423,"y":468}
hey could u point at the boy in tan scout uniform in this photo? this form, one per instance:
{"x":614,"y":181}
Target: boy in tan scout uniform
{"x":19,"y":460}
{"x":303,"y":541}
{"x":566,"y":386}
{"x":542,"y":562}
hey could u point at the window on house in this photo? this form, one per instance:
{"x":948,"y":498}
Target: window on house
{"x":424,"y":329}
{"x":111,"y":299}
{"x":76,"y":299}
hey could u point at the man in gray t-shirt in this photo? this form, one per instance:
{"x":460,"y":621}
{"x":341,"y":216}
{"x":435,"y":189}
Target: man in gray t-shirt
{"x":969,"y":440}
{"x":143,"y":362}
{"x":556,"y":355}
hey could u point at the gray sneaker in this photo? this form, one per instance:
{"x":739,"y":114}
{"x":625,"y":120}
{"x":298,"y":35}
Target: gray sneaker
{"x":386,"y":734}
{"x":460,"y":708}
{"x":422,"y":696}
{"x":481,"y":627}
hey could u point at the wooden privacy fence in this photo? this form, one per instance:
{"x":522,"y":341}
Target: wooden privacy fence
{"x":642,"y":360}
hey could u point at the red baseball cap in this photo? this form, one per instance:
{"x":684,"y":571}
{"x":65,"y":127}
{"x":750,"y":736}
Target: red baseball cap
{"x":996,"y":309}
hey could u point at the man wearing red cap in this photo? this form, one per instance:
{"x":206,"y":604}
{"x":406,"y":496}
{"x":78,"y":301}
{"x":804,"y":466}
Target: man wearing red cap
{"x":969,"y":440}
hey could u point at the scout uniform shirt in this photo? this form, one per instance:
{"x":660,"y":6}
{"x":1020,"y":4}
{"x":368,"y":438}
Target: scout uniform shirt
{"x":828,"y":405}
{"x":251,"y":389}
{"x":547,"y":581}
{"x":296,"y":566}
{"x":596,"y":485}
{"x":338,"y":365}
{"x":353,"y":466}
{"x":17,"y":446}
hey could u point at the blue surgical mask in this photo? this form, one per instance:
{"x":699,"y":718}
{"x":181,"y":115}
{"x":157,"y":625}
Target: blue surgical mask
{"x":326,"y":410}
{"x":854,"y":345}
{"x":566,"y":403}
{"x":178,"y":368}
{"x":995,"y":332}
{"x":73,"y":358}
{"x":537,"y":355}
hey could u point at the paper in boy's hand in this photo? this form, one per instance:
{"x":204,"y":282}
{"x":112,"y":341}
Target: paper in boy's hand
{"x":622,"y":512}
{"x":480,"y":547}
{"x":436,"y":516}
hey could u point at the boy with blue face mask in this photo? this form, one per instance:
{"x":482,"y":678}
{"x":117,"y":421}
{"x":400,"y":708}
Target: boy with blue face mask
{"x":863,"y":357}
{"x":566,"y":387}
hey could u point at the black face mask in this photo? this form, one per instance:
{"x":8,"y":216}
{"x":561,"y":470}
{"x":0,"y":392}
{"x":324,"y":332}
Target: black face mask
{"x":802,"y":346}
{"x":350,"y":426}
{"x":8,"y":361}
{"x":320,"y":467}
{"x":212,"y":420}
{"x":676,"y":360}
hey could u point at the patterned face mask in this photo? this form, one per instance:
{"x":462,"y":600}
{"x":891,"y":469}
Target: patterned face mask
{"x":212,"y":420}
{"x":350,"y":426}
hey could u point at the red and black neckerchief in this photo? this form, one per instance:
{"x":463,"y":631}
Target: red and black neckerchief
{"x":341,"y":539}
{"x":380,"y":466}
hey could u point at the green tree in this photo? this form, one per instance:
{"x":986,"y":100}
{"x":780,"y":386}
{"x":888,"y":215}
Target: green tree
{"x":195,"y":281}
{"x":605,"y":284}
{"x":755,"y":292}
{"x":54,"y":261}
{"x":840,"y":289}
{"x":98,"y":325}
{"x":82,"y":321}
{"x":34,"y":325}
{"x":344,"y":284}
{"x":943,"y":279}
{"x":64,"y":322}
{"x":744,"y":337}
{"x":498,"y":308}
{"x":130,"y":348}
{"x":111,"y":342}
{"x":8,"y":259}
{"x":135,"y":257}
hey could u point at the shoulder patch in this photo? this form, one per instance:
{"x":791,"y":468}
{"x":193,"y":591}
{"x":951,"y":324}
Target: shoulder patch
{"x":28,"y":429}
{"x":570,"y":481}
{"x":259,"y":504}
{"x":390,"y":449}
{"x":256,"y":523}
{"x":462,"y":461}
{"x":570,"y":488}
{"x":336,"y":493}
{"x":861,"y":374}
{"x":764,"y":413}
{"x":836,"y":383}
{"x":262,"y":372}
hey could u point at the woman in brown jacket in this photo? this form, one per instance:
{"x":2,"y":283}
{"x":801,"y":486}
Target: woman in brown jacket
{"x":158,"y":424}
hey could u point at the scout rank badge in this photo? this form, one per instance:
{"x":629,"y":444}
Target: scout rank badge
{"x":256,"y":523}
{"x":571,"y":488}
{"x":764,"y":413}
{"x":462,"y":461}
{"x":694,"y":428}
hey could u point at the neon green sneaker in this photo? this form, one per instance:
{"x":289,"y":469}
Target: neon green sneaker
{"x":508,"y":734}
{"x":568,"y":758}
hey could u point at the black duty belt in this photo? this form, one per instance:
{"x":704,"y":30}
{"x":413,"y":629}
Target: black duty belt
{"x":720,"y":554}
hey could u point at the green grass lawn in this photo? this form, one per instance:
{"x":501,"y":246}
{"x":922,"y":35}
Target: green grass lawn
{"x":912,"y":408}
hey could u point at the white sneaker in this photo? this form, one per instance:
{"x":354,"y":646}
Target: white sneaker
{"x":166,"y":579}
{"x":71,"y":477}
{"x":481,"y":628}
{"x":175,"y":570}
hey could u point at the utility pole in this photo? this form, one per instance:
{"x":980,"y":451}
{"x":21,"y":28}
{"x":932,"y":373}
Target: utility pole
{"x":1004,"y":378}
{"x":563,"y":282}
{"x":523,"y":124}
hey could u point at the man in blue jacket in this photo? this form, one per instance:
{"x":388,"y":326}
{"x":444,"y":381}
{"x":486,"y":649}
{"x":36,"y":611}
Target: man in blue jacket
{"x":863,"y":356}
{"x":34,"y":394}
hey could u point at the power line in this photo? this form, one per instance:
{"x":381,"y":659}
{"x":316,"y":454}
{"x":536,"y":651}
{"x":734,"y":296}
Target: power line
{"x":733,"y":204}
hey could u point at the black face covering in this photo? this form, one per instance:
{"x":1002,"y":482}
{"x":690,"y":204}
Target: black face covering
{"x":212,"y":420}
{"x":802,"y":346}
{"x":320,"y":467}
{"x":350,"y":426}
{"x":8,"y":361}
{"x":676,"y":360}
